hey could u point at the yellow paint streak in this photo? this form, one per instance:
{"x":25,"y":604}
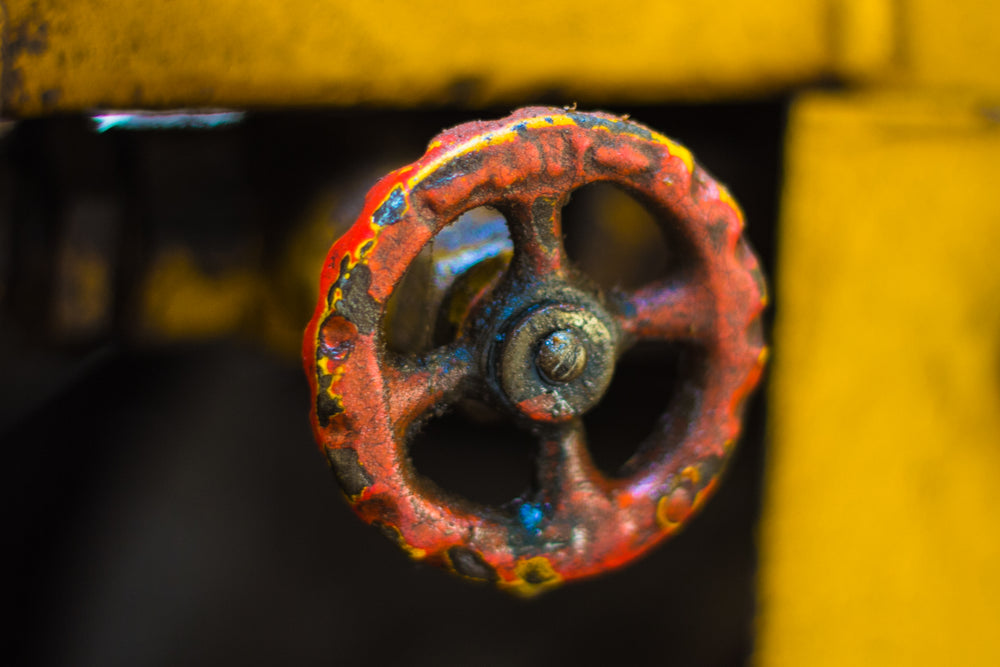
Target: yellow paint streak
{"x":353,"y":258}
{"x":509,"y":133}
{"x":662,"y":506}
{"x":691,"y":474}
{"x":880,"y":538}
{"x":677,"y":150}
{"x":704,"y":494}
{"x":131,"y":54}
{"x":364,"y":250}
{"x":476,"y":143}
{"x":358,"y":254}
{"x":505,"y":134}
{"x":557,"y":120}
{"x":536,"y":568}
{"x":728,"y":199}
{"x":413,"y":552}
{"x":325,"y":366}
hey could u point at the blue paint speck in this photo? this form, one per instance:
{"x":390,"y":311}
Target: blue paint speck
{"x":391,"y":209}
{"x":531,"y":516}
{"x":442,"y":176}
{"x":612,"y":125}
{"x":165,"y":120}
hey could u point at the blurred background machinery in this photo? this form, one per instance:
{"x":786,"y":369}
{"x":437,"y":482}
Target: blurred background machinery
{"x":164,"y":503}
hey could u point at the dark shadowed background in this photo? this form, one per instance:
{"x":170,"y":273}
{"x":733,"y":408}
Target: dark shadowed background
{"x":165,"y":502}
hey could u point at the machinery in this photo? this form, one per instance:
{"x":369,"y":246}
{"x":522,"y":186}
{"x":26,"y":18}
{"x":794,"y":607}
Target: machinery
{"x":172,"y":176}
{"x":535,"y":339}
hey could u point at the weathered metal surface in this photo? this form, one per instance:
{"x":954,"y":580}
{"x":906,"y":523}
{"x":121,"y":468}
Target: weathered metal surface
{"x":60,"y":56}
{"x":880,"y":536}
{"x":576,"y":522}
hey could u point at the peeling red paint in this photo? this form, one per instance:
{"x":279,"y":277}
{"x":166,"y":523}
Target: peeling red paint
{"x":525,"y":166}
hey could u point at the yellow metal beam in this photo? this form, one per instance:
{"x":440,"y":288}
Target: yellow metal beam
{"x":949,"y":44}
{"x":881,"y":530}
{"x":64,"y":56}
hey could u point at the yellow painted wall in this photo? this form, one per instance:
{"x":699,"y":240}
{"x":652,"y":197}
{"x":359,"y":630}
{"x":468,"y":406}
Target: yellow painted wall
{"x":82,"y":54}
{"x":60,"y":55}
{"x":949,"y":44}
{"x":880,"y":543}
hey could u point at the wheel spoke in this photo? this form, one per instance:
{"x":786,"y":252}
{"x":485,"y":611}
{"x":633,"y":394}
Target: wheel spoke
{"x":418,"y":383}
{"x":566,"y":473}
{"x":668,"y":312}
{"x":536,"y":229}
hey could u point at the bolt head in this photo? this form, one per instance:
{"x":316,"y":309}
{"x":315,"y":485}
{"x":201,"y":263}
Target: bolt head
{"x":561,"y":356}
{"x":554,"y":361}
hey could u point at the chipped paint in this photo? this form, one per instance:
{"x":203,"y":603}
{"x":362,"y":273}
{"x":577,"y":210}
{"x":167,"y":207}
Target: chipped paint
{"x":365,"y":400}
{"x":533,"y":576}
{"x":531,"y":516}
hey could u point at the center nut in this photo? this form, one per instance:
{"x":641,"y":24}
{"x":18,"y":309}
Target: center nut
{"x":562,"y":356}
{"x":556,"y":361}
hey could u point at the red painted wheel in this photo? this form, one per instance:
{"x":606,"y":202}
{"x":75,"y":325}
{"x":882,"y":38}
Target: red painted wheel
{"x":541,"y":344}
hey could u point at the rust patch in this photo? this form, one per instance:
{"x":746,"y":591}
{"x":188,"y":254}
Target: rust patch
{"x":351,"y":475}
{"x":470,"y":564}
{"x":525,"y":166}
{"x":355,"y":304}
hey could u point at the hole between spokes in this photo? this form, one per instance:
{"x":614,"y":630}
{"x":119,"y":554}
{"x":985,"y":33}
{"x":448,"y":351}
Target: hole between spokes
{"x":417,"y":313}
{"x":613,"y":238}
{"x":475,"y":454}
{"x":643,"y":389}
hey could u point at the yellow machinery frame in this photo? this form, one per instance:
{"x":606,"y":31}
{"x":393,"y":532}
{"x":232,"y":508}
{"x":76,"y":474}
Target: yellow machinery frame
{"x":880,"y":538}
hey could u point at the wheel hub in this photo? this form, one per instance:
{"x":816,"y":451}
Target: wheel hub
{"x":555,"y":360}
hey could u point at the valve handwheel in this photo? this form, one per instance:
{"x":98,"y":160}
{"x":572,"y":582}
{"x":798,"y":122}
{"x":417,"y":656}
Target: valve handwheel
{"x":540,"y":342}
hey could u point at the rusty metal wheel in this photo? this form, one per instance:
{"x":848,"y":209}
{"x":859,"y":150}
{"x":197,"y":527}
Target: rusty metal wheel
{"x":540,"y":343}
